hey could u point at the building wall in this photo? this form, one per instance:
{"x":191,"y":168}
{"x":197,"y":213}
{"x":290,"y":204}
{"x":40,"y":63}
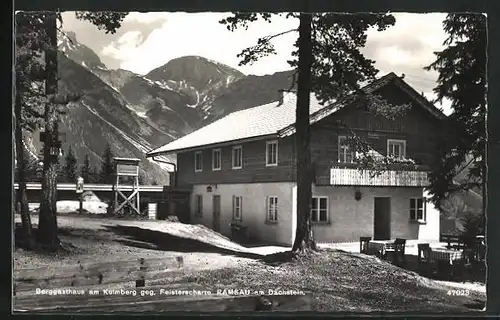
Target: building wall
{"x":432,"y":229}
{"x":253,"y":209}
{"x":417,"y":126}
{"x":350,"y":219}
{"x":254,"y":168}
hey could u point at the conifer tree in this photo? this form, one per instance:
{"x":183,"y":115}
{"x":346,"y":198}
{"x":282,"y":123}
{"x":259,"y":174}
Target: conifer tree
{"x":107,"y":172}
{"x":70,"y":166}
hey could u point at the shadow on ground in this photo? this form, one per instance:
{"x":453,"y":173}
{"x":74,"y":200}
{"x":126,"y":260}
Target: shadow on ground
{"x":66,"y":248}
{"x":157,"y":240}
{"x":472,"y":273}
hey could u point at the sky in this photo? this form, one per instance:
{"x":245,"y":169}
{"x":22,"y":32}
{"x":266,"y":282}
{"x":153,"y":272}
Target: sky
{"x":149,"y":40}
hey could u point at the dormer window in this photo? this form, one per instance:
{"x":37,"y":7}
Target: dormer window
{"x":396,"y":149}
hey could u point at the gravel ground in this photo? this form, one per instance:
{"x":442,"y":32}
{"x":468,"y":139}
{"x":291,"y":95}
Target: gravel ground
{"x":336,"y":280}
{"x":88,"y":239}
{"x":341,"y":281}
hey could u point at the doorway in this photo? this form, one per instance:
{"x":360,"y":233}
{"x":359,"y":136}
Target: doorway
{"x":382,"y":219}
{"x":216,"y":213}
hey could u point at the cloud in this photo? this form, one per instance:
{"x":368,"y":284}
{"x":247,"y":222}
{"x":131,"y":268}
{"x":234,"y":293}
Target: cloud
{"x":145,"y":17}
{"x":408,"y":46}
{"x":200,"y":34}
{"x":97,"y":40}
{"x":118,"y":49}
{"x":148,"y":40}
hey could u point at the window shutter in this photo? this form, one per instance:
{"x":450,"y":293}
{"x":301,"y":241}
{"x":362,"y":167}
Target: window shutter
{"x":275,"y":209}
{"x":267,"y":208}
{"x":233,"y":207}
{"x":241,"y":207}
{"x":425,"y":208}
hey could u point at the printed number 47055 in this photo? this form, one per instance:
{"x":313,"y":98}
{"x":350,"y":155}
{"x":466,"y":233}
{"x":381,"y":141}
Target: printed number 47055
{"x":460,"y":292}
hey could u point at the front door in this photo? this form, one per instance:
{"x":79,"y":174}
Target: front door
{"x":382,"y":219}
{"x":216,"y":213}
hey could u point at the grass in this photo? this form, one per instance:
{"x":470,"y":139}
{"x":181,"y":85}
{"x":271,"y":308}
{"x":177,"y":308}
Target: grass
{"x":341,"y":281}
{"x":332,"y":280}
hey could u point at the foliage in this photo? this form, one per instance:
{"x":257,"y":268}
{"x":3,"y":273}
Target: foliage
{"x":106,"y":175}
{"x":329,"y":63}
{"x":338,"y":69}
{"x":32,"y":44}
{"x":141,"y":178}
{"x":87,"y":172}
{"x":70,"y":166}
{"x":338,"y":64}
{"x":462,"y":80}
{"x":109,"y":21}
{"x":472,"y":225}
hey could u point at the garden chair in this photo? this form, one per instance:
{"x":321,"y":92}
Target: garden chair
{"x":424,"y":258}
{"x":398,"y":252}
{"x":363,"y":244}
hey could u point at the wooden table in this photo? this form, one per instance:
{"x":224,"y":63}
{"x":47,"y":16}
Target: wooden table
{"x":447,"y":259}
{"x":380,"y":246}
{"x":439,"y":254}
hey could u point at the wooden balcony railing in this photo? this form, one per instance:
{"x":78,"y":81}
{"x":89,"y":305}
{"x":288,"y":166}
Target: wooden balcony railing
{"x":390,"y":178}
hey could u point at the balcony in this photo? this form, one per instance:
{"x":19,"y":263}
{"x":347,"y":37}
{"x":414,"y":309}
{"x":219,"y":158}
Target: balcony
{"x":349,"y":176}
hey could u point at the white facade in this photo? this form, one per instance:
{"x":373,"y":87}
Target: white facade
{"x":348,"y":218}
{"x":254,"y":207}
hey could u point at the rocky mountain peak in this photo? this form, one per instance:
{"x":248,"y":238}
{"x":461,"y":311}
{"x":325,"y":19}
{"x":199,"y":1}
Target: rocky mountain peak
{"x":71,"y":35}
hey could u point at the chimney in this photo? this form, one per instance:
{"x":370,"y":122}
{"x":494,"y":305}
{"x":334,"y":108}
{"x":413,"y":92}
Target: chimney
{"x":282,"y":93}
{"x":286,"y":95}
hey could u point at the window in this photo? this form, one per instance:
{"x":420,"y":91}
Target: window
{"x":396,"y":148}
{"x":216,"y":159}
{"x":271,"y":153}
{"x":237,"y":206}
{"x":198,"y":161}
{"x":272,"y":209}
{"x":199,"y":205}
{"x":346,"y":155}
{"x":237,"y":157}
{"x":319,"y":209}
{"x":417,"y":209}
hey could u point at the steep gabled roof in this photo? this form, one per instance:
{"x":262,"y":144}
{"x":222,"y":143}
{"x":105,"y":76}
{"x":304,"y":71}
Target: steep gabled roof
{"x":274,"y":119}
{"x":259,"y":121}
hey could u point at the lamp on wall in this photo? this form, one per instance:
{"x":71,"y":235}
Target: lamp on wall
{"x":210,"y":187}
{"x":357,"y":195}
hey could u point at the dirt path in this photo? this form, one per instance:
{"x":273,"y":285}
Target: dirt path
{"x":97,"y":240}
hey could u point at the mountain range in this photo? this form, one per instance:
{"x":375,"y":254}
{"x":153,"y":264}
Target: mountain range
{"x":136,"y":113}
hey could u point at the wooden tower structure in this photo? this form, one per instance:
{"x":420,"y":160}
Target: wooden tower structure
{"x":126,"y":168}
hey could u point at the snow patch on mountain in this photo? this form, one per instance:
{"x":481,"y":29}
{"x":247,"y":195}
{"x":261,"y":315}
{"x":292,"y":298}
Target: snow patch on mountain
{"x":31,"y":153}
{"x":197,"y":101}
{"x":141,"y":114}
{"x":123,"y":134}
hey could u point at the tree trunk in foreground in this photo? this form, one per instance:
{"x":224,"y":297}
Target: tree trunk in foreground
{"x":303,"y":237}
{"x":22,"y":198}
{"x":47,"y":225}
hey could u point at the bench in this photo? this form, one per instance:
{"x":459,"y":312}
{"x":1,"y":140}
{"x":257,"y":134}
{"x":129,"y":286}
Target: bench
{"x":94,"y":273}
{"x":128,"y":286}
{"x":451,"y":240}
